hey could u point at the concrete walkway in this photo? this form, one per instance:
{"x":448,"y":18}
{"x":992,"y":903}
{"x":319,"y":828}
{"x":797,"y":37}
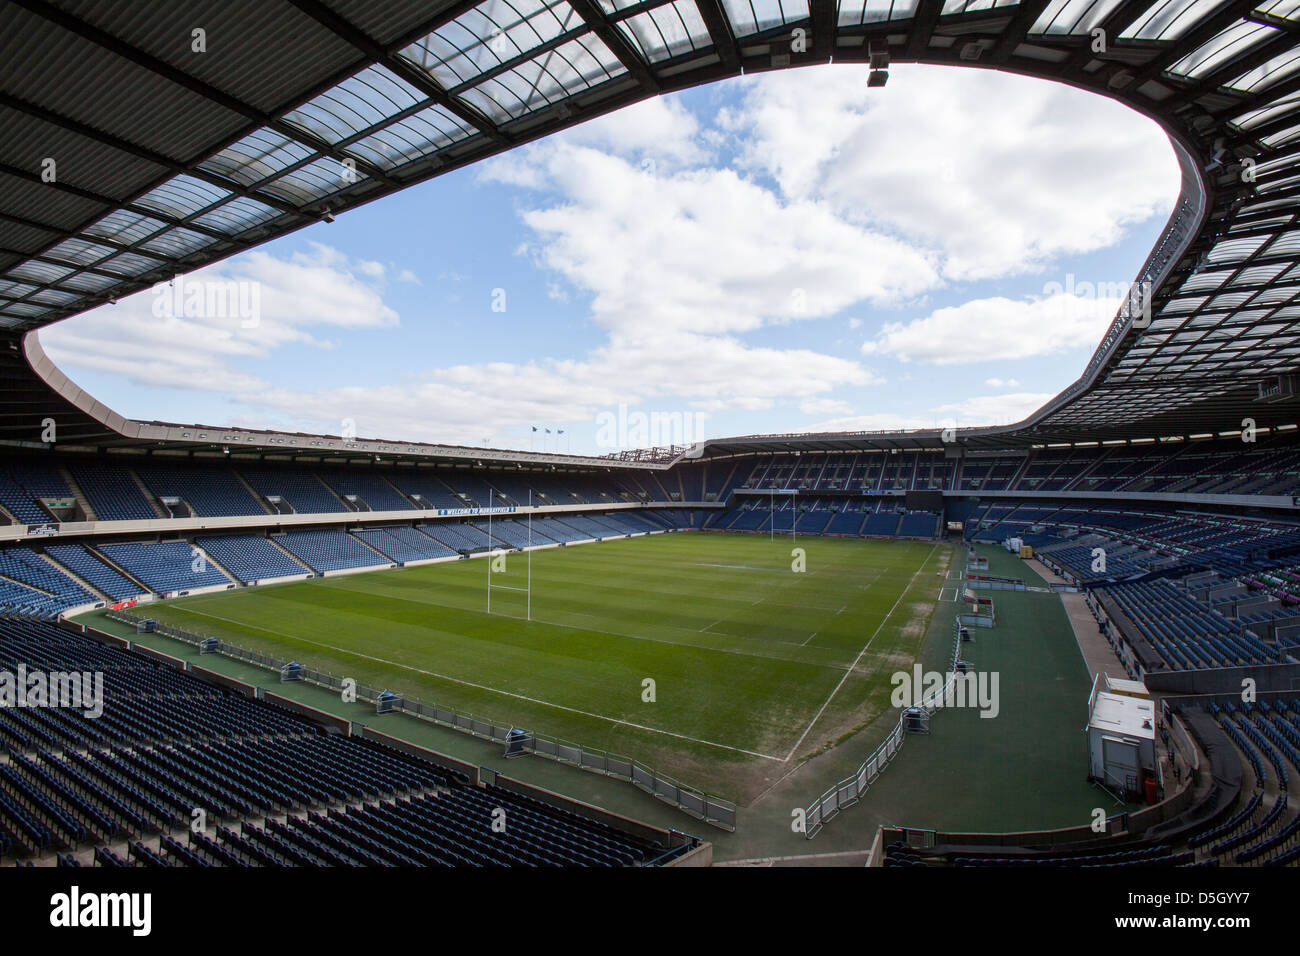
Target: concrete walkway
{"x":1097,"y":653}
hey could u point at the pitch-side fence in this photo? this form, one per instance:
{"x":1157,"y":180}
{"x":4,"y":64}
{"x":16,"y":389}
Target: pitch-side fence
{"x":850,"y":790}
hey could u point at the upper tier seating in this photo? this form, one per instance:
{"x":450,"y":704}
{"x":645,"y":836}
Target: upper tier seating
{"x":24,"y":483}
{"x":211,"y":492}
{"x":305,"y":493}
{"x":424,"y":487}
{"x":377,"y":493}
{"x":112,"y":492}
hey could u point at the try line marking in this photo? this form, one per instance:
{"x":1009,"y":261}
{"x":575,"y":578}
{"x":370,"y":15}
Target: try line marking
{"x":494,"y":690}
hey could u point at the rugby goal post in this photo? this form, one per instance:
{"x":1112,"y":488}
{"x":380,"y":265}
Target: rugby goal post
{"x":493,"y":555}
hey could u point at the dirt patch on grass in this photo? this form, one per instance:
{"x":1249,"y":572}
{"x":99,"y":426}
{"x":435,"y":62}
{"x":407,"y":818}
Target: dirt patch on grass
{"x":918,"y":620}
{"x":845,"y":719}
{"x":740,"y":781}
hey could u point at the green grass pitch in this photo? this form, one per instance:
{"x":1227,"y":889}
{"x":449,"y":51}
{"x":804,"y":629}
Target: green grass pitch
{"x":755,"y":666}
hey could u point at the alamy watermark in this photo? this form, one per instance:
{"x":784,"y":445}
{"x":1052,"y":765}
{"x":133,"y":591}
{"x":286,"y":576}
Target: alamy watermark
{"x":63,"y":690}
{"x":209,"y":299}
{"x":975,"y":689}
{"x":636,"y":429}
{"x":1135,"y":296}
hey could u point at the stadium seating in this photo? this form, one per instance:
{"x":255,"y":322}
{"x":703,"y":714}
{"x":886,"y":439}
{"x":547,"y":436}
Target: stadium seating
{"x":23,"y":485}
{"x":165,"y":566}
{"x":329,"y":550}
{"x":429,"y":489}
{"x":210,"y":492}
{"x":303,"y":491}
{"x":366,"y":491}
{"x":249,"y":557}
{"x":167,"y":742}
{"x":112,"y":492}
{"x":558,"y":530}
{"x":26,"y":567}
{"x":461,"y":537}
{"x":918,"y":524}
{"x":588,"y":528}
{"x":404,"y":544}
{"x":86,"y":565}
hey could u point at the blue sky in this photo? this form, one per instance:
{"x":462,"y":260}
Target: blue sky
{"x":775,"y":253}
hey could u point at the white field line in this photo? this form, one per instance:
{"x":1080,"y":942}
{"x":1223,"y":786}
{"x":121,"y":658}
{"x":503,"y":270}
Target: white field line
{"x":854,"y":665}
{"x":638,"y":637}
{"x":494,"y":690}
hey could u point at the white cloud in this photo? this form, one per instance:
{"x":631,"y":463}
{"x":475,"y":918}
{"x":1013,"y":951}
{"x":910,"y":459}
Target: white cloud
{"x":197,"y":339}
{"x":994,"y":409}
{"x":658,"y":130}
{"x":998,"y":328}
{"x":878,"y":421}
{"x":825,"y":406}
{"x":996,"y":191}
{"x":447,"y":404}
{"x":1002,"y":382}
{"x":654,"y":137}
{"x":978,"y":410}
{"x":455,"y":404}
{"x":705,"y":250}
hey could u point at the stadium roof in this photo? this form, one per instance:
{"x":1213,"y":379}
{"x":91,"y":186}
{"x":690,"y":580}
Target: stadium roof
{"x":167,"y":158}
